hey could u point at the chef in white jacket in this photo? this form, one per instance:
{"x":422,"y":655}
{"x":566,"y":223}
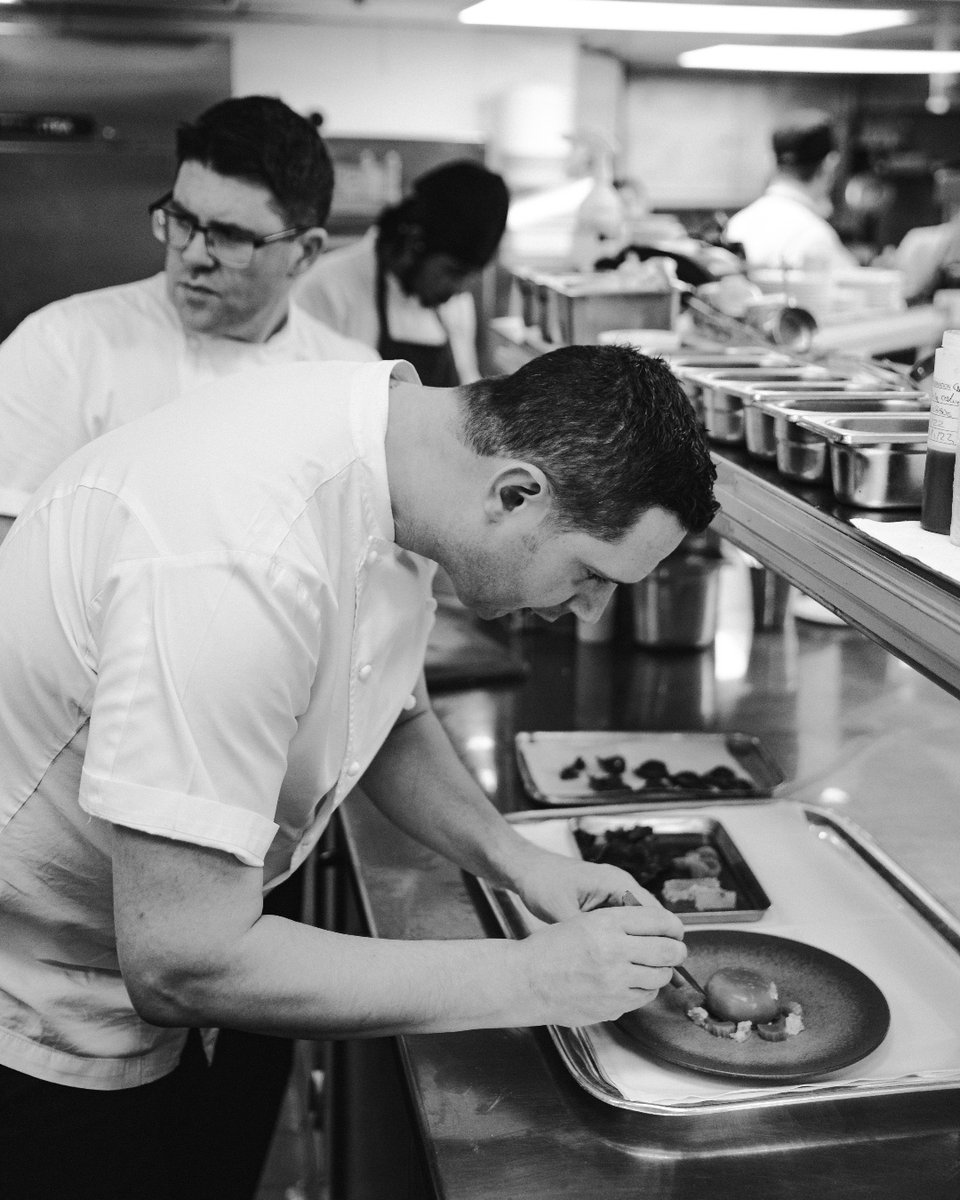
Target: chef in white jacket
{"x":788,"y":225}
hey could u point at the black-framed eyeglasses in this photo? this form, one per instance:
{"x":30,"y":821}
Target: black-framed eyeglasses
{"x":230,"y":245}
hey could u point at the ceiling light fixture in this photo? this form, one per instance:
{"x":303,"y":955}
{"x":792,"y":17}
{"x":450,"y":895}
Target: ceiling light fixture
{"x":822,"y":60}
{"x":682,"y":18}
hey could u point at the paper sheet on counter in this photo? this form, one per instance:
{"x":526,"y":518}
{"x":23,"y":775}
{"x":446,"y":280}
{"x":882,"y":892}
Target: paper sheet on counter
{"x":932,"y":550}
{"x":824,"y":894}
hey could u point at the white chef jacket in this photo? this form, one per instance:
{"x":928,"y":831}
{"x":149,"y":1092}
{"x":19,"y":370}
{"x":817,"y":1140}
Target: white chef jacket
{"x":784,"y":229}
{"x":922,"y":254}
{"x":208,"y":632}
{"x":340,"y":290}
{"x":94,"y":361}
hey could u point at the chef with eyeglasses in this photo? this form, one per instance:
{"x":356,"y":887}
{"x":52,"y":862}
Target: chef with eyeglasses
{"x":244,"y":219}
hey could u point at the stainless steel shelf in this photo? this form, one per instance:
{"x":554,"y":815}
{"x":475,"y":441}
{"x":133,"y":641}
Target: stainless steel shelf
{"x":912,"y":612}
{"x":804,"y":536}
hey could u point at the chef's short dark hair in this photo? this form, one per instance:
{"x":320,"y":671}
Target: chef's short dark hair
{"x":803,"y":141}
{"x":262,"y":140}
{"x":611,"y":429}
{"x":458,"y":208}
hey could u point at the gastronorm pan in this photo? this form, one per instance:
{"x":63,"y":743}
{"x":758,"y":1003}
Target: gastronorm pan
{"x":689,"y":366}
{"x":651,"y":847}
{"x":877,"y":459}
{"x":767,"y":413}
{"x":721,"y":394}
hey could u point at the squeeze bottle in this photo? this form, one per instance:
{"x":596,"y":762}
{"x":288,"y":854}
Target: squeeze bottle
{"x":942,"y":437}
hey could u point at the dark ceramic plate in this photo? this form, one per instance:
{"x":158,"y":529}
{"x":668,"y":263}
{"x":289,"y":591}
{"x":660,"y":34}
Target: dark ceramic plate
{"x":845,"y":1013}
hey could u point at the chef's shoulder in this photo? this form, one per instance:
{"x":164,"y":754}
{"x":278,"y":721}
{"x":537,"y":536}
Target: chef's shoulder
{"x":122,"y":312}
{"x":316,"y":339}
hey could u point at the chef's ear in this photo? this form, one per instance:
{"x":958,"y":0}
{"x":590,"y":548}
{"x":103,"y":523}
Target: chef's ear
{"x":518,"y":489}
{"x":311,"y":243}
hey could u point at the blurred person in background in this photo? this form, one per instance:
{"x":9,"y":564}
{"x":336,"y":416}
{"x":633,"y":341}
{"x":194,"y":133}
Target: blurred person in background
{"x":929,"y":256}
{"x":243,"y":220}
{"x":788,"y":226}
{"x":403,"y":287}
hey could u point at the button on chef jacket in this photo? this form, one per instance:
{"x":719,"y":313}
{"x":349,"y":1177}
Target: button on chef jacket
{"x":208,"y":633}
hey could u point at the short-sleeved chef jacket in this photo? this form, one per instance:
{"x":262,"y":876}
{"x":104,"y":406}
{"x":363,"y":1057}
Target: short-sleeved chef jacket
{"x":784,"y":229}
{"x":91,"y":362}
{"x":208,"y":633}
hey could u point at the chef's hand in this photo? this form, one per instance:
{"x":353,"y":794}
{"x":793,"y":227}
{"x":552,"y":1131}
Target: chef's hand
{"x":555,"y":887}
{"x":598,"y":965}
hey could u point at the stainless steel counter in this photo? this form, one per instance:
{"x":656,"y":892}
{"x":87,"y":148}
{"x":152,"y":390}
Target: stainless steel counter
{"x":494,"y":1113}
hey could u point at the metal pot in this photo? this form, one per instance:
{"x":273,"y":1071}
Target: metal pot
{"x":675,"y":607}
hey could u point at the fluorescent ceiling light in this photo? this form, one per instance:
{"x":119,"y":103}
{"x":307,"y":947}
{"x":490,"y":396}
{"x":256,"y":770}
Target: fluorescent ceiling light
{"x":823,"y":60}
{"x":681,"y":18}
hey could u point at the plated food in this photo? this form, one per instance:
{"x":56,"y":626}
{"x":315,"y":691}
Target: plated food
{"x":844,"y":1014}
{"x":739,"y":1002}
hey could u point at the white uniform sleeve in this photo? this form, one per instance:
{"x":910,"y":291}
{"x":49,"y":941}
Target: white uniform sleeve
{"x":459,"y":316}
{"x":919,"y":255}
{"x":41,"y":407}
{"x":204,"y":669}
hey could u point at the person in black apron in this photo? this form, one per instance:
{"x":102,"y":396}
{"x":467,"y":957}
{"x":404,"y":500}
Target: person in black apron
{"x":434,"y":243}
{"x":433,"y":363}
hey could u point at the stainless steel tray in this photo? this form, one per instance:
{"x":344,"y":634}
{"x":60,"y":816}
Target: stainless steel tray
{"x":542,"y":755}
{"x":672,"y":834}
{"x":863,"y":907}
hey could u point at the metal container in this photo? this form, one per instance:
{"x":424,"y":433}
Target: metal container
{"x":763,"y":409}
{"x":525,"y":283}
{"x":575,"y":308}
{"x":675,"y":606}
{"x":689,"y":366}
{"x":722,"y":394}
{"x":876,"y":460}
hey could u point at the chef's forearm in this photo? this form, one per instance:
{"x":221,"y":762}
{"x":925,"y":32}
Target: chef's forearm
{"x":287,"y":979}
{"x":418,"y":781}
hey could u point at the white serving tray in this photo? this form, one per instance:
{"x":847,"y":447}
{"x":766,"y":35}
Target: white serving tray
{"x":830,"y":886}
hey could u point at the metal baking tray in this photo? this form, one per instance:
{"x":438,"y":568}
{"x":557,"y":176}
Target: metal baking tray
{"x":672,"y":835}
{"x":541,"y":757}
{"x":831,"y":886}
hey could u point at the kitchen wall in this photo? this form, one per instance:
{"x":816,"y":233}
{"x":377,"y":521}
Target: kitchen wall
{"x":416,"y":83}
{"x":74,"y":188}
{"x":703,"y":140}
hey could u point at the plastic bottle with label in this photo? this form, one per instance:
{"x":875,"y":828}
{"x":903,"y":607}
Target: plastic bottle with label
{"x":942,"y":437}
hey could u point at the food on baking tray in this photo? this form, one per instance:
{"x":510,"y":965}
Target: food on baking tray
{"x":611,"y":773}
{"x":574,"y":769}
{"x":683,"y":882}
{"x":738,"y":1002}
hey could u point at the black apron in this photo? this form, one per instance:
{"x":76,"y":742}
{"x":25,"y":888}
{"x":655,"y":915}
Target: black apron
{"x":434,"y":364}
